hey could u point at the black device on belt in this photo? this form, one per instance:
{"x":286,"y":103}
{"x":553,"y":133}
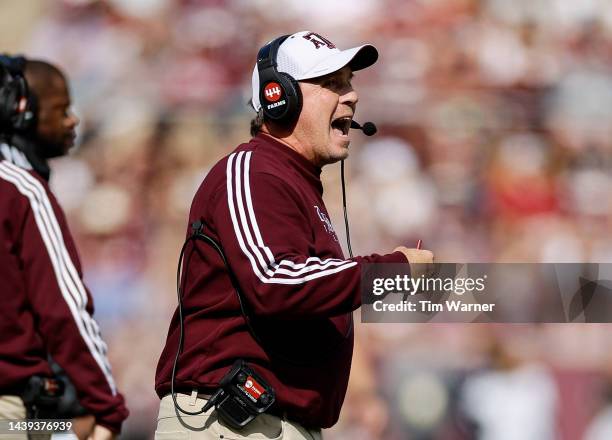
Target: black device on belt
{"x":41,"y":397}
{"x":242,"y":396}
{"x":49,"y":396}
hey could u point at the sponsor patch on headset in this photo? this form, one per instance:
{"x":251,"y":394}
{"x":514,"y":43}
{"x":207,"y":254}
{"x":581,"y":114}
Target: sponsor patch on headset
{"x":276,"y":104}
{"x":272,"y":92}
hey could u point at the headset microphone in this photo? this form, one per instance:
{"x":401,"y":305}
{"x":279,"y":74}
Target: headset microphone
{"x":368,"y":128}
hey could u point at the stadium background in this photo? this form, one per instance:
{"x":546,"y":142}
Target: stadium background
{"x":495,"y":144}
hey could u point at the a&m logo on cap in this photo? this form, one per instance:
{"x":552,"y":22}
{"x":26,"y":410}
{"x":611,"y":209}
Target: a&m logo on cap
{"x":272,"y":92}
{"x":318,"y":40}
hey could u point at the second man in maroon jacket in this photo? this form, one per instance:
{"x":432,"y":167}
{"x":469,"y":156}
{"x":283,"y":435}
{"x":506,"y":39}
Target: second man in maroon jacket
{"x":45,"y":308}
{"x":263,"y":204}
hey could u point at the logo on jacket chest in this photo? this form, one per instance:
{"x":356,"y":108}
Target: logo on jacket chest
{"x":327,"y":224}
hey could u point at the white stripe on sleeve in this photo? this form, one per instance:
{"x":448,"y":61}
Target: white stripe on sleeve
{"x":266,"y":269}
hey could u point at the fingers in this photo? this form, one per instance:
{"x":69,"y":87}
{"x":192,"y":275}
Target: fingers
{"x":416,"y":255}
{"x":83,"y":426}
{"x":421,"y":261}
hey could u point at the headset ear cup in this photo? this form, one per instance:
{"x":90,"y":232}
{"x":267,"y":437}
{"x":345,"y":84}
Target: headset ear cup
{"x":294,"y":96}
{"x":13,"y":112}
{"x":281,"y":98}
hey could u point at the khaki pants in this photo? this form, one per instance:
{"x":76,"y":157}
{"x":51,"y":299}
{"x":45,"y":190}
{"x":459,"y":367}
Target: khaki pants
{"x":12,"y":408}
{"x":207,"y":426}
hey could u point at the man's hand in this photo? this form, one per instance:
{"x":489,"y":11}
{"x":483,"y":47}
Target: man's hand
{"x":83,"y":426}
{"x":421,"y":261}
{"x":101,"y":433}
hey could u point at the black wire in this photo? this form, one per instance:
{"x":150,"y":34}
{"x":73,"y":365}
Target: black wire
{"x":179,"y":293}
{"x":346,"y":221}
{"x":346,"y":226}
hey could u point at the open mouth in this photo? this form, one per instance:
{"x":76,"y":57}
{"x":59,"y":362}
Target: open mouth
{"x":342,"y":125}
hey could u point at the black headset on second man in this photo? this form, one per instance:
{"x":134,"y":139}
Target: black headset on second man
{"x":16,"y":103}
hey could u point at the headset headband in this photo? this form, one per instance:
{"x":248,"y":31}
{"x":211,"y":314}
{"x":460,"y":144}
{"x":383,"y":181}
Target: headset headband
{"x":266,"y":58}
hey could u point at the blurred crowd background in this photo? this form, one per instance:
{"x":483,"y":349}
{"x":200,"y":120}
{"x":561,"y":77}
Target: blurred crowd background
{"x":494,"y":145}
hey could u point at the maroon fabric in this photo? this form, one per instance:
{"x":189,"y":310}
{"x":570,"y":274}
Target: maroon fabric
{"x":263,"y":204}
{"x":44,"y":306}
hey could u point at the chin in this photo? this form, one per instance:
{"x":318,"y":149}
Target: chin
{"x":59,"y":150}
{"x":342,"y":148}
{"x":339,"y":153}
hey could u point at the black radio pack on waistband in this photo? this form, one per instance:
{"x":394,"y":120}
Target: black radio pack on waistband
{"x":242,"y":396}
{"x":51,"y":397}
{"x":42,"y":396}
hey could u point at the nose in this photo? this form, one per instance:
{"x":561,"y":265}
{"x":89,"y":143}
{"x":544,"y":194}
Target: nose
{"x":349,"y":97}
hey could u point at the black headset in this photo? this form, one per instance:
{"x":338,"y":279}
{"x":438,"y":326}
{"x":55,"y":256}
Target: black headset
{"x":16,"y":103}
{"x":279,"y":92}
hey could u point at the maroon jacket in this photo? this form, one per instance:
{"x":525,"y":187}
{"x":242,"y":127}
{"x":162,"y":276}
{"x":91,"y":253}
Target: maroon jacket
{"x":44,"y":306}
{"x":263,"y":204}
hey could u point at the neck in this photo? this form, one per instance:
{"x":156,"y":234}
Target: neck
{"x":292,"y":142}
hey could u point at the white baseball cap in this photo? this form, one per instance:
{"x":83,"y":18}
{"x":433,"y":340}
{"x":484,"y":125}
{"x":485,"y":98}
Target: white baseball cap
{"x":306,"y":55}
